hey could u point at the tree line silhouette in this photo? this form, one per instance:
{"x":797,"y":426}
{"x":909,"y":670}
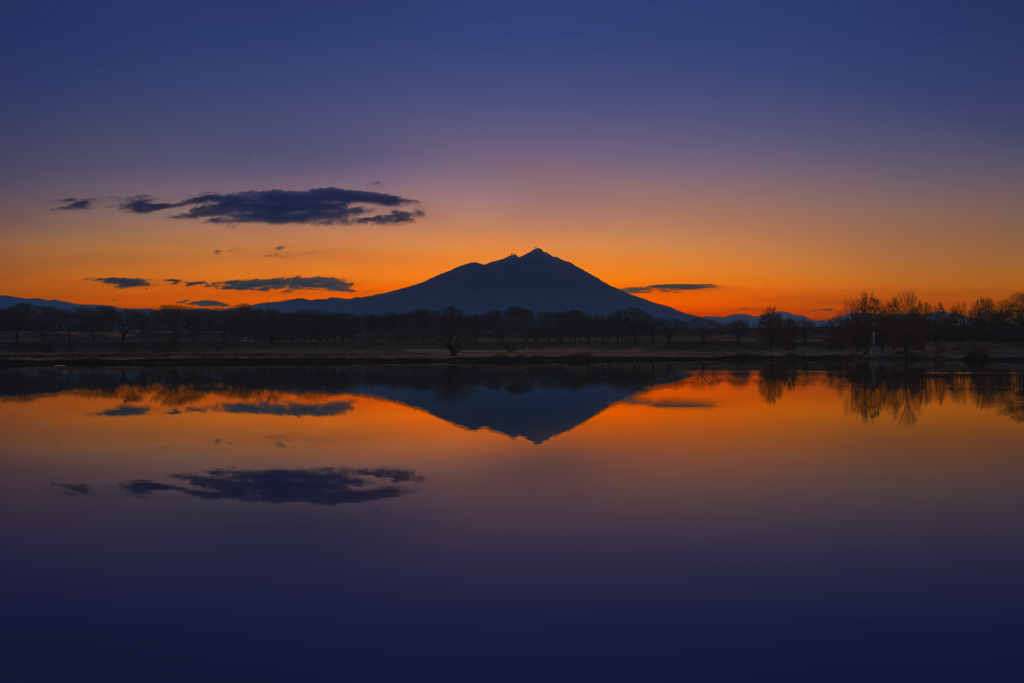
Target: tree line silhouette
{"x":903,"y":324}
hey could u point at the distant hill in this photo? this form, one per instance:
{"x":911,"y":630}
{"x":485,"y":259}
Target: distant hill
{"x":538,"y":281}
{"x":8,"y":301}
{"x":752,"y":319}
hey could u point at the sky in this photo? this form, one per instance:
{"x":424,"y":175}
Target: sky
{"x":789,"y":153}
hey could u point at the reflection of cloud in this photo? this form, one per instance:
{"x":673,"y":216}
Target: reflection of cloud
{"x":123,"y":411}
{"x":666,"y":402}
{"x":75,"y":489}
{"x":288,"y":284}
{"x":665,"y":288}
{"x":316,"y":486}
{"x":319,"y":206}
{"x":293,"y":409}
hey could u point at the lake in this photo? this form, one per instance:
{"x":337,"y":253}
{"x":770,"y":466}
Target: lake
{"x":519,"y":523}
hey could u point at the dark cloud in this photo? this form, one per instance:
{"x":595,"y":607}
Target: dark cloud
{"x":172,"y":280}
{"x":216,"y":252}
{"x":665,"y":288}
{"x":183,"y":301}
{"x":75,"y":489}
{"x":197,"y":282}
{"x":293,"y":409}
{"x":823,"y":309}
{"x":319,"y":206}
{"x":278,"y":251}
{"x":376,"y":182}
{"x":316,"y":486}
{"x":71,"y":204}
{"x":210,"y":303}
{"x":123,"y":411}
{"x":143,"y":487}
{"x":122,"y":282}
{"x":331,"y":284}
{"x":393,"y":218}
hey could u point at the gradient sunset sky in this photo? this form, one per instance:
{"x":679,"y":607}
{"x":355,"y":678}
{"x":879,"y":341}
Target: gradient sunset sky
{"x":791,"y":153}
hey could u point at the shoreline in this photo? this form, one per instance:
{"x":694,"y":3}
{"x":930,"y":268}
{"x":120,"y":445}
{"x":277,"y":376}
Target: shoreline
{"x":579,"y":358}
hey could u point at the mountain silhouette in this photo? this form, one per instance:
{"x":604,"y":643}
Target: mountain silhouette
{"x":538,"y":281}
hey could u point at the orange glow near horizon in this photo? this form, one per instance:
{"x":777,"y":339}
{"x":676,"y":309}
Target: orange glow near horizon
{"x":802,"y":253}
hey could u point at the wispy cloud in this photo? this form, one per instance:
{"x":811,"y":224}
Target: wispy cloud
{"x":331,"y":284}
{"x":209,"y":303}
{"x":278,"y":251}
{"x":172,"y":280}
{"x":122,"y":282}
{"x":666,"y":288}
{"x":319,"y":206}
{"x":74,"y":204}
{"x":75,"y":489}
{"x":197,"y":282}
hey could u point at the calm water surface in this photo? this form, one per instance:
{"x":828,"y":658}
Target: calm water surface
{"x":654,"y":523}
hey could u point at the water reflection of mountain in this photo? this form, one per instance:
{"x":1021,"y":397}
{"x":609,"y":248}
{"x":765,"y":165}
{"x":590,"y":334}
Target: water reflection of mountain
{"x":532,"y":401}
{"x":535,"y":402}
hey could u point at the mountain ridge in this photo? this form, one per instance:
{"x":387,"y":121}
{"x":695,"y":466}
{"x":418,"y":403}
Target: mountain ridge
{"x":537,"y":281}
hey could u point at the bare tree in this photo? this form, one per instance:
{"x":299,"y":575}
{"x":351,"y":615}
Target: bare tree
{"x":47,"y":319}
{"x":738,"y":328}
{"x":126,"y":320}
{"x":18,"y":319}
{"x":1012,"y":308}
{"x":273,"y":323}
{"x":173,"y":319}
{"x":452,"y":328}
{"x":67,"y":322}
{"x":520,"y":320}
{"x":769,"y":328}
{"x":638,"y":322}
{"x":145,"y":323}
{"x":196,"y":321}
{"x":807,"y":328}
{"x":704,"y":327}
{"x":907,"y":311}
{"x":669,"y":327}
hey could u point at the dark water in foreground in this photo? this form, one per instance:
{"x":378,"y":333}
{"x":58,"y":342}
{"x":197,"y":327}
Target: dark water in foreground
{"x":648,"y":523}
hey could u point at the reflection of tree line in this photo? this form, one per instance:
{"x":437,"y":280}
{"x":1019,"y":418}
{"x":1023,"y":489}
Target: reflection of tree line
{"x":174,"y":387}
{"x":871,"y":390}
{"x":868,"y":390}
